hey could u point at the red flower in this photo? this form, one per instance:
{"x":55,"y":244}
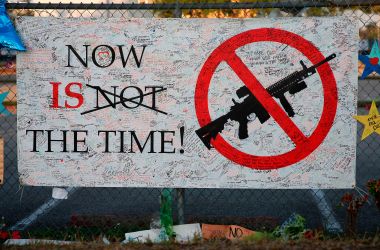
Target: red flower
{"x":16,"y":235}
{"x":346,"y":197}
{"x":377,"y":187}
{"x":3,"y":235}
{"x":365,"y":197}
{"x":308,"y":234}
{"x":74,"y":220}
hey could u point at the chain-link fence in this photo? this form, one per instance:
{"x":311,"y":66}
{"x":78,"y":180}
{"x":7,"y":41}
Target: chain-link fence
{"x":96,"y":210}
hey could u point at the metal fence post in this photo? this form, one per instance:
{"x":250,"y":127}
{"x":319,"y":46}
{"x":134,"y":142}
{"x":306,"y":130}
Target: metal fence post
{"x":181,"y":205}
{"x":180,"y":192}
{"x":178,"y":10}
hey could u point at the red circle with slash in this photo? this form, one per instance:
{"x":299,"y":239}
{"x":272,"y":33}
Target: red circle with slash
{"x":303,"y":145}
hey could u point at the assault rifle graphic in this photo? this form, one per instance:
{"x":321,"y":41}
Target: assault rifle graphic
{"x":239,"y":112}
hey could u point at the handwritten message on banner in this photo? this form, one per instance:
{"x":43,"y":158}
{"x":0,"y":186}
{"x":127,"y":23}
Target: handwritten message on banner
{"x":237,"y":103}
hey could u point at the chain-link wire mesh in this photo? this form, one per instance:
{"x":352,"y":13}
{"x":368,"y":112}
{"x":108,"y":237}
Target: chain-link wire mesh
{"x":92,"y":211}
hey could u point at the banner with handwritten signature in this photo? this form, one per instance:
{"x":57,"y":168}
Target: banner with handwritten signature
{"x":196,"y":103}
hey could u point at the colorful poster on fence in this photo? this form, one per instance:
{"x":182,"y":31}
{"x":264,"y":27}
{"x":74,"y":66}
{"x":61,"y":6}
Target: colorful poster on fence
{"x":196,"y":103}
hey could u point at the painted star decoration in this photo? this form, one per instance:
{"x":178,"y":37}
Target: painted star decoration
{"x":3,"y":110}
{"x":371,"y":121}
{"x":371,"y":61}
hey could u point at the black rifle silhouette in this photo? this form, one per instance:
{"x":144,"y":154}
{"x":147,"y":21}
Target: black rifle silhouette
{"x":239,"y":112}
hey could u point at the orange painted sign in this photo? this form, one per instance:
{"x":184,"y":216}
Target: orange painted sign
{"x":224,"y":232}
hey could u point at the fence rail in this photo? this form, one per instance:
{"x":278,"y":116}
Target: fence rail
{"x":205,"y":5}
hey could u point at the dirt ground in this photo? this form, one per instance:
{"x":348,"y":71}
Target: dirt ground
{"x":368,"y":243}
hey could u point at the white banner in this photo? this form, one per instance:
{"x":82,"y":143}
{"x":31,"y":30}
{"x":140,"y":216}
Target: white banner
{"x":195,"y":103}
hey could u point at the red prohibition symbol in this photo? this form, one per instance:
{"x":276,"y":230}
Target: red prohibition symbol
{"x":303,"y":145}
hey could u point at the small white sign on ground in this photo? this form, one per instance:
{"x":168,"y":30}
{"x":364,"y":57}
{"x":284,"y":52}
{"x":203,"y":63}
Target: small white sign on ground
{"x":183,"y":233}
